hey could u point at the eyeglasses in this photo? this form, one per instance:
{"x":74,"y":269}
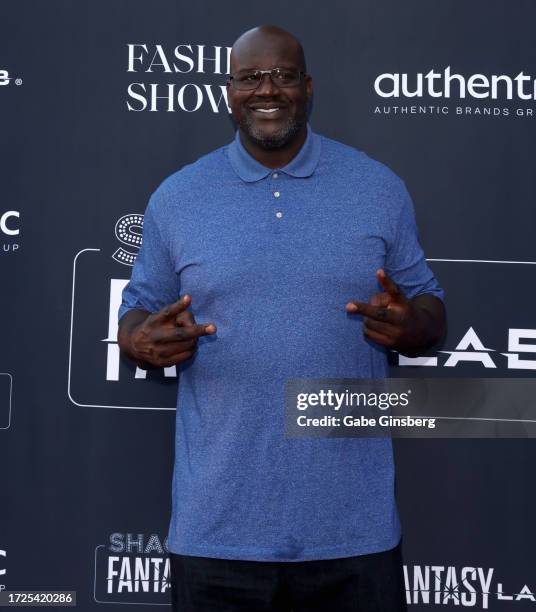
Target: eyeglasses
{"x":248,"y":80}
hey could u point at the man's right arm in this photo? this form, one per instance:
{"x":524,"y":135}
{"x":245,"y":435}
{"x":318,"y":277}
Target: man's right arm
{"x":129,"y":321}
{"x":155,"y":330}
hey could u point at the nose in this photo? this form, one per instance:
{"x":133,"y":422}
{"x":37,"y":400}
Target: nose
{"x":266,"y":86}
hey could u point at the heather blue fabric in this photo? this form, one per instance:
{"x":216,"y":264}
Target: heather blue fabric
{"x":276,"y":287}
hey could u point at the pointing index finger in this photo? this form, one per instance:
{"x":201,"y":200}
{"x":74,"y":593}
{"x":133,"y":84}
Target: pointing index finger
{"x":378,"y":313}
{"x":164,"y":336}
{"x":195,"y":331}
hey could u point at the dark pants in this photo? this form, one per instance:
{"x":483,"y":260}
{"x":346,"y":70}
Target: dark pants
{"x":367,"y":583}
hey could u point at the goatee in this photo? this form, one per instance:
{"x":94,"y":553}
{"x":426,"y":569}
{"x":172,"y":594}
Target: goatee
{"x":275,"y":140}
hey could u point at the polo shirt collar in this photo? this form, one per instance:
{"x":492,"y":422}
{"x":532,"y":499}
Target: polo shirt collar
{"x":302,"y":165}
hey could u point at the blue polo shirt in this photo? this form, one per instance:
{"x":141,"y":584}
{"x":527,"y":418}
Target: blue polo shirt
{"x":272,"y":257}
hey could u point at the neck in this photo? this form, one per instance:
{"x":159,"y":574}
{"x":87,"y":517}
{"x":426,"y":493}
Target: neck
{"x":274,"y":158}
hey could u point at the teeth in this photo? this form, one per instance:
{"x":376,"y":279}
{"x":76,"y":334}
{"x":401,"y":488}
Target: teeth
{"x":267,"y":110}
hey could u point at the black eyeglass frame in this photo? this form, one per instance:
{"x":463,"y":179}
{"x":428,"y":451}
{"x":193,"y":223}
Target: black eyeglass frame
{"x":270,"y":72}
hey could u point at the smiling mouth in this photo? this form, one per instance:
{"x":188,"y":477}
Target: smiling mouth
{"x":267,"y":110}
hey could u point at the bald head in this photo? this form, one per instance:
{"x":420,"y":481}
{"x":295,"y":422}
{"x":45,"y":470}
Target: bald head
{"x":255,"y":46}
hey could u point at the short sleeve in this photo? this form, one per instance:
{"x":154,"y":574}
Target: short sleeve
{"x":154,"y":282}
{"x":405,"y":261}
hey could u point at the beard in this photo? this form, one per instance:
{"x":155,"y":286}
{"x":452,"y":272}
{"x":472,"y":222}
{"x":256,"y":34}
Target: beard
{"x":275,"y":140}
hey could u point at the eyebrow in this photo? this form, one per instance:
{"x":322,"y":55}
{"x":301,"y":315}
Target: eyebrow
{"x":292,"y":66}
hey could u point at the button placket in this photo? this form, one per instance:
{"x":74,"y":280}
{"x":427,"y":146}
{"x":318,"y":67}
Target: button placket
{"x":276,"y":194}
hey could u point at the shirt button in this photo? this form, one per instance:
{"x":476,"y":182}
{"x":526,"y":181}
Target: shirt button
{"x":275,"y":175}
{"x":279,"y":214}
{"x":276,"y":194}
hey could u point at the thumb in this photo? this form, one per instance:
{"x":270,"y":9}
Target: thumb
{"x":388,"y":285}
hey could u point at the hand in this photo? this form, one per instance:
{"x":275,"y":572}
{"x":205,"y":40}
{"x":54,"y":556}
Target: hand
{"x":392,"y":320}
{"x":168,"y":337}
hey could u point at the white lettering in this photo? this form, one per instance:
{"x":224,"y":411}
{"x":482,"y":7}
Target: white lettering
{"x":461,"y":353}
{"x":394,"y":92}
{"x":437,"y":571}
{"x":112,"y":572}
{"x":468,"y":598}
{"x":125,"y":577}
{"x":500,"y":595}
{"x":201,"y":59}
{"x":451,"y":590}
{"x":223,"y":95}
{"x":395,"y":85}
{"x":159,"y":52}
{"x":515,"y":347}
{"x":199,"y":96}
{"x":132,"y":57}
{"x":485,"y":582}
{"x":421,"y":584}
{"x":525,"y":593}
{"x":478,"y":81}
{"x":184,"y":58}
{"x":132,"y":93}
{"x":3,"y":223}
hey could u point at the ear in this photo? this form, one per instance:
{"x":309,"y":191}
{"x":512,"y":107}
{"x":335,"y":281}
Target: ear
{"x":229,"y":90}
{"x":309,"y":85}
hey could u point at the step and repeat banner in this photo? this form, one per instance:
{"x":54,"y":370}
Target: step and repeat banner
{"x":100,"y":101}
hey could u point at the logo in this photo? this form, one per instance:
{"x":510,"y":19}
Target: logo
{"x":6,"y":384}
{"x":132,"y":568}
{"x":447,"y":85}
{"x":3,"y":570}
{"x":10,"y":230}
{"x":460,"y":586}
{"x":98,"y":375}
{"x":188,"y":66}
{"x":433,"y":89}
{"x":128,"y":230}
{"x":5,"y":79}
{"x":493,"y":339}
{"x":471,"y":349}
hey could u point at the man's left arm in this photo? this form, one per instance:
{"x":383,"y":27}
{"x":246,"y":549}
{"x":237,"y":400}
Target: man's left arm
{"x":408,"y":315}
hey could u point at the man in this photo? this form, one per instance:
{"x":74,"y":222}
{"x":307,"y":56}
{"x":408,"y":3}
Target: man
{"x":299,"y":258}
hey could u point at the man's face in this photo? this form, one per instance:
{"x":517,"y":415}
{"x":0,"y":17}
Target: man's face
{"x":286,"y":106}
